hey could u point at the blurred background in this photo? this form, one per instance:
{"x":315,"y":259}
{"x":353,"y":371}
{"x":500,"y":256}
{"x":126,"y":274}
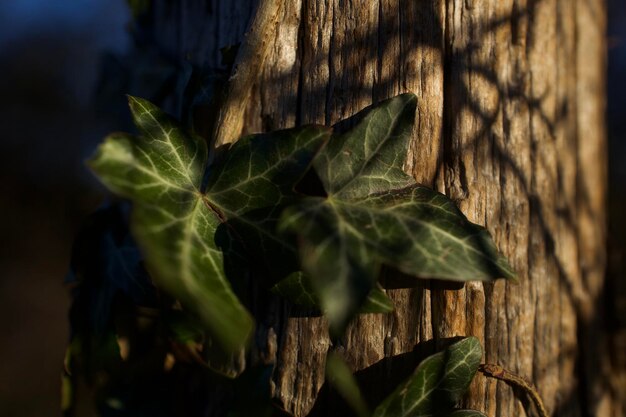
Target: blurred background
{"x":51,"y":55}
{"x":52,"y":115}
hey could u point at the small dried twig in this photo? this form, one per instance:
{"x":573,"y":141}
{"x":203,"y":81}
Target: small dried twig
{"x":499,"y":372}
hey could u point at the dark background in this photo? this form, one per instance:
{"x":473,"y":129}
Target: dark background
{"x":51,"y":53}
{"x":51,"y":56}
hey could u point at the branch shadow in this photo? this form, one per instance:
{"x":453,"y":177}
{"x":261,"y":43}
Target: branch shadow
{"x":368,"y":49}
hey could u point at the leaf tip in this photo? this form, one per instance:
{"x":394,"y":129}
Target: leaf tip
{"x":512,"y":277}
{"x":472,"y":340}
{"x":409,"y":97}
{"x":472,"y":344}
{"x":139,"y":105}
{"x":114,"y":152}
{"x":132,"y":99}
{"x":505,"y":271}
{"x":409,"y":100}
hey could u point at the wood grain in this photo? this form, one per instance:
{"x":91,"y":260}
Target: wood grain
{"x":510,"y":125}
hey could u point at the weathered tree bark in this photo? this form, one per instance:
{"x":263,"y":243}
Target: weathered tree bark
{"x":510,"y":124}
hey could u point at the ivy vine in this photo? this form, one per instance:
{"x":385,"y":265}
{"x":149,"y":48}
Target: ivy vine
{"x":310,"y":213}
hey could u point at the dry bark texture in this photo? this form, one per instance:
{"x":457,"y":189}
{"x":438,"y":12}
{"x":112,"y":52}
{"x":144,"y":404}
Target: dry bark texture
{"x":510,"y":124}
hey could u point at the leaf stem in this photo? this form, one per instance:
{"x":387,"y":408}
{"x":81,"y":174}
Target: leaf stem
{"x":498,"y":372}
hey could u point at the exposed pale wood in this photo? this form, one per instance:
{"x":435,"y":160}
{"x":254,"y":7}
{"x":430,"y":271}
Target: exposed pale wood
{"x":510,"y":125}
{"x":250,"y":59}
{"x":566,"y":132}
{"x":606,"y":382}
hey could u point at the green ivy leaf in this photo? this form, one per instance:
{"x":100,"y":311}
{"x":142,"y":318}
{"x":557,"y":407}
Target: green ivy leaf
{"x":298,"y":289}
{"x":181,"y":228}
{"x":376,"y":214}
{"x":255,"y":181}
{"x":437,"y":385}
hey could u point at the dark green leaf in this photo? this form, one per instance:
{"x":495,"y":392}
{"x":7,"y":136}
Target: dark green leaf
{"x":255,"y":180}
{"x":181,"y":228}
{"x":377,"y":301}
{"x":437,"y":385}
{"x":369,"y":158}
{"x":298,"y":289}
{"x":376,"y":214}
{"x":342,"y":271}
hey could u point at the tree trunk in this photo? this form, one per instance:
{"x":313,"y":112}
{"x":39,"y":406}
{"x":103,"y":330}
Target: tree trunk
{"x":510,"y":124}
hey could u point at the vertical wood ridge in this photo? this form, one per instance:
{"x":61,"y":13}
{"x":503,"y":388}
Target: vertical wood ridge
{"x":510,"y":125}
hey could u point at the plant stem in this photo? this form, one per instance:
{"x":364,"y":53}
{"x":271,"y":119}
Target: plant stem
{"x":499,"y":372}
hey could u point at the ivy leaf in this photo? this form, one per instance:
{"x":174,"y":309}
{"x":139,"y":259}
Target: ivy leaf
{"x":376,"y":214}
{"x":298,"y":289}
{"x":176,"y":223}
{"x":437,"y":384}
{"x":253,"y":183}
{"x":377,"y":301}
{"x":161,"y":172}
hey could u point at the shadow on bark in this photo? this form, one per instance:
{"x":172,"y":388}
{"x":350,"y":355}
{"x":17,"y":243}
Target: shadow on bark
{"x":340,"y":97}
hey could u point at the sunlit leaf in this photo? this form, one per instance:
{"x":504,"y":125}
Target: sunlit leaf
{"x":376,"y":214}
{"x":181,"y":228}
{"x":437,"y":385}
{"x":253,"y":183}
